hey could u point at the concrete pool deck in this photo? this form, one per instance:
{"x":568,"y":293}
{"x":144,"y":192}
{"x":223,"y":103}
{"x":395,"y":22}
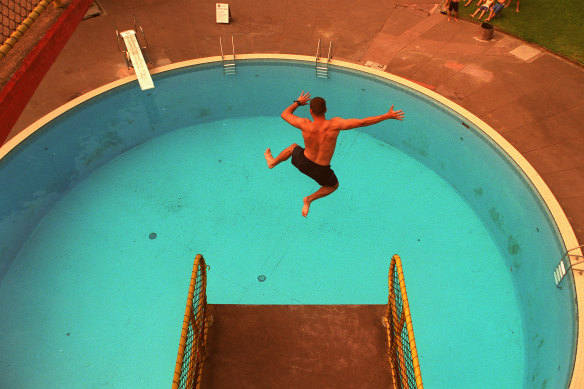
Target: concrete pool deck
{"x":531,"y":97}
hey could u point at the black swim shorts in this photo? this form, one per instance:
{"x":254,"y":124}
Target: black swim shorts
{"x":324,"y":175}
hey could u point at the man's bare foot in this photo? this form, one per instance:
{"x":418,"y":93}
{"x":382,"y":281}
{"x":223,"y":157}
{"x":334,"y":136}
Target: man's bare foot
{"x":307,"y":202}
{"x":269,"y":158}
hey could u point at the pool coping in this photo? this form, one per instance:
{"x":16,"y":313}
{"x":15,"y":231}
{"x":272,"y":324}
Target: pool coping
{"x":565,"y":229}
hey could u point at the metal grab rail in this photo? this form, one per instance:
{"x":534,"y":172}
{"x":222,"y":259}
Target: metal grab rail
{"x":193,"y":339}
{"x":322,"y":68}
{"x":228,"y":64}
{"x":124,"y":50}
{"x":561,"y":270}
{"x":317,"y":52}
{"x":402,"y":354}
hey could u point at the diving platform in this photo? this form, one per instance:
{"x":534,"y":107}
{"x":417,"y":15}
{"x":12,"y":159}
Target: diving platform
{"x":135,"y":54}
{"x":296,"y":346}
{"x":136,"y":59}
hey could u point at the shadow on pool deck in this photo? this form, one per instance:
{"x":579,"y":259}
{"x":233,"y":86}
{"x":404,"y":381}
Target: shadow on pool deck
{"x":531,"y":97}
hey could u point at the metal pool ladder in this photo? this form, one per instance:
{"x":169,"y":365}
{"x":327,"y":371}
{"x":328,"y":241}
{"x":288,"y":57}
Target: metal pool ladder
{"x":322,"y":67}
{"x":566,"y":265}
{"x":228,"y":64}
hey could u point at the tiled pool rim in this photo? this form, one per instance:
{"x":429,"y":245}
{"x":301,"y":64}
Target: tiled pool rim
{"x":565,"y":229}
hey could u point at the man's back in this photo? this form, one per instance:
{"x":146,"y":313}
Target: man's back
{"x":320,"y":140}
{"x":320,"y":136}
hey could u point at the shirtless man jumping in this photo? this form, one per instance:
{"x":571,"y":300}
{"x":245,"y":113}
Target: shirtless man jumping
{"x":320,"y":139}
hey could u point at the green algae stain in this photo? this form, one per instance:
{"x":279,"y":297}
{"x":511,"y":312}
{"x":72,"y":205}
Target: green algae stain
{"x":204,"y":112}
{"x":512,"y":246}
{"x":418,"y":145}
{"x":496,"y":217}
{"x":109,"y":139}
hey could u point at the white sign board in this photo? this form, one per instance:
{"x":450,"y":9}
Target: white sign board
{"x":222,"y":13}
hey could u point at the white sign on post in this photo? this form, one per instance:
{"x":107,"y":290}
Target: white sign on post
{"x":222,"y":13}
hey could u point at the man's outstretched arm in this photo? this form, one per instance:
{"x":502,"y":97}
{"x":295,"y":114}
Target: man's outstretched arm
{"x":348,"y":124}
{"x":288,"y":113}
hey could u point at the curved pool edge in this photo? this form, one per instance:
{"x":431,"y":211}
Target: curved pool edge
{"x":556,"y":211}
{"x":565,"y":229}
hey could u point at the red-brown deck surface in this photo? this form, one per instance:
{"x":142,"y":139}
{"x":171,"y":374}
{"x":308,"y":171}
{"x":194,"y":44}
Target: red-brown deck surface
{"x":297,"y":346}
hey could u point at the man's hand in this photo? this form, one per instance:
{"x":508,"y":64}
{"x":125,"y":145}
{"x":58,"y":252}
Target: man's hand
{"x":399,"y":115}
{"x":288,"y":113}
{"x":304,"y":98}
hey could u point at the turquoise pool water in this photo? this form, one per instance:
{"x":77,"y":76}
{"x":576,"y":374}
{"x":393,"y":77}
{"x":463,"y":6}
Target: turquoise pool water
{"x":192,"y":171}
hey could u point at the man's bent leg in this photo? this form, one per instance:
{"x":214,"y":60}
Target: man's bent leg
{"x":322,"y":192}
{"x":284,"y":155}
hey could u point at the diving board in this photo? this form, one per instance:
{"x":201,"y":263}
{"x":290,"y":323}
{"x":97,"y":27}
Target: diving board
{"x":137,"y":59}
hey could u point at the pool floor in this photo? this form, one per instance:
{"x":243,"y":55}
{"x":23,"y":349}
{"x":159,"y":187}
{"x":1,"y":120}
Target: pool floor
{"x":94,"y":299}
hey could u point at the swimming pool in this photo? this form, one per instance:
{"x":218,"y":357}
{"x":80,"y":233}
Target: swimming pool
{"x":96,"y":144}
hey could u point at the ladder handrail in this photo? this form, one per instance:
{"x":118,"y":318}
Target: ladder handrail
{"x":575,"y":248}
{"x":221,"y":46}
{"x":137,"y":26}
{"x":118,"y":38}
{"x":322,"y":67}
{"x":561,"y":270}
{"x":228,"y":64}
{"x":136,"y":22}
{"x":233,"y":47}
